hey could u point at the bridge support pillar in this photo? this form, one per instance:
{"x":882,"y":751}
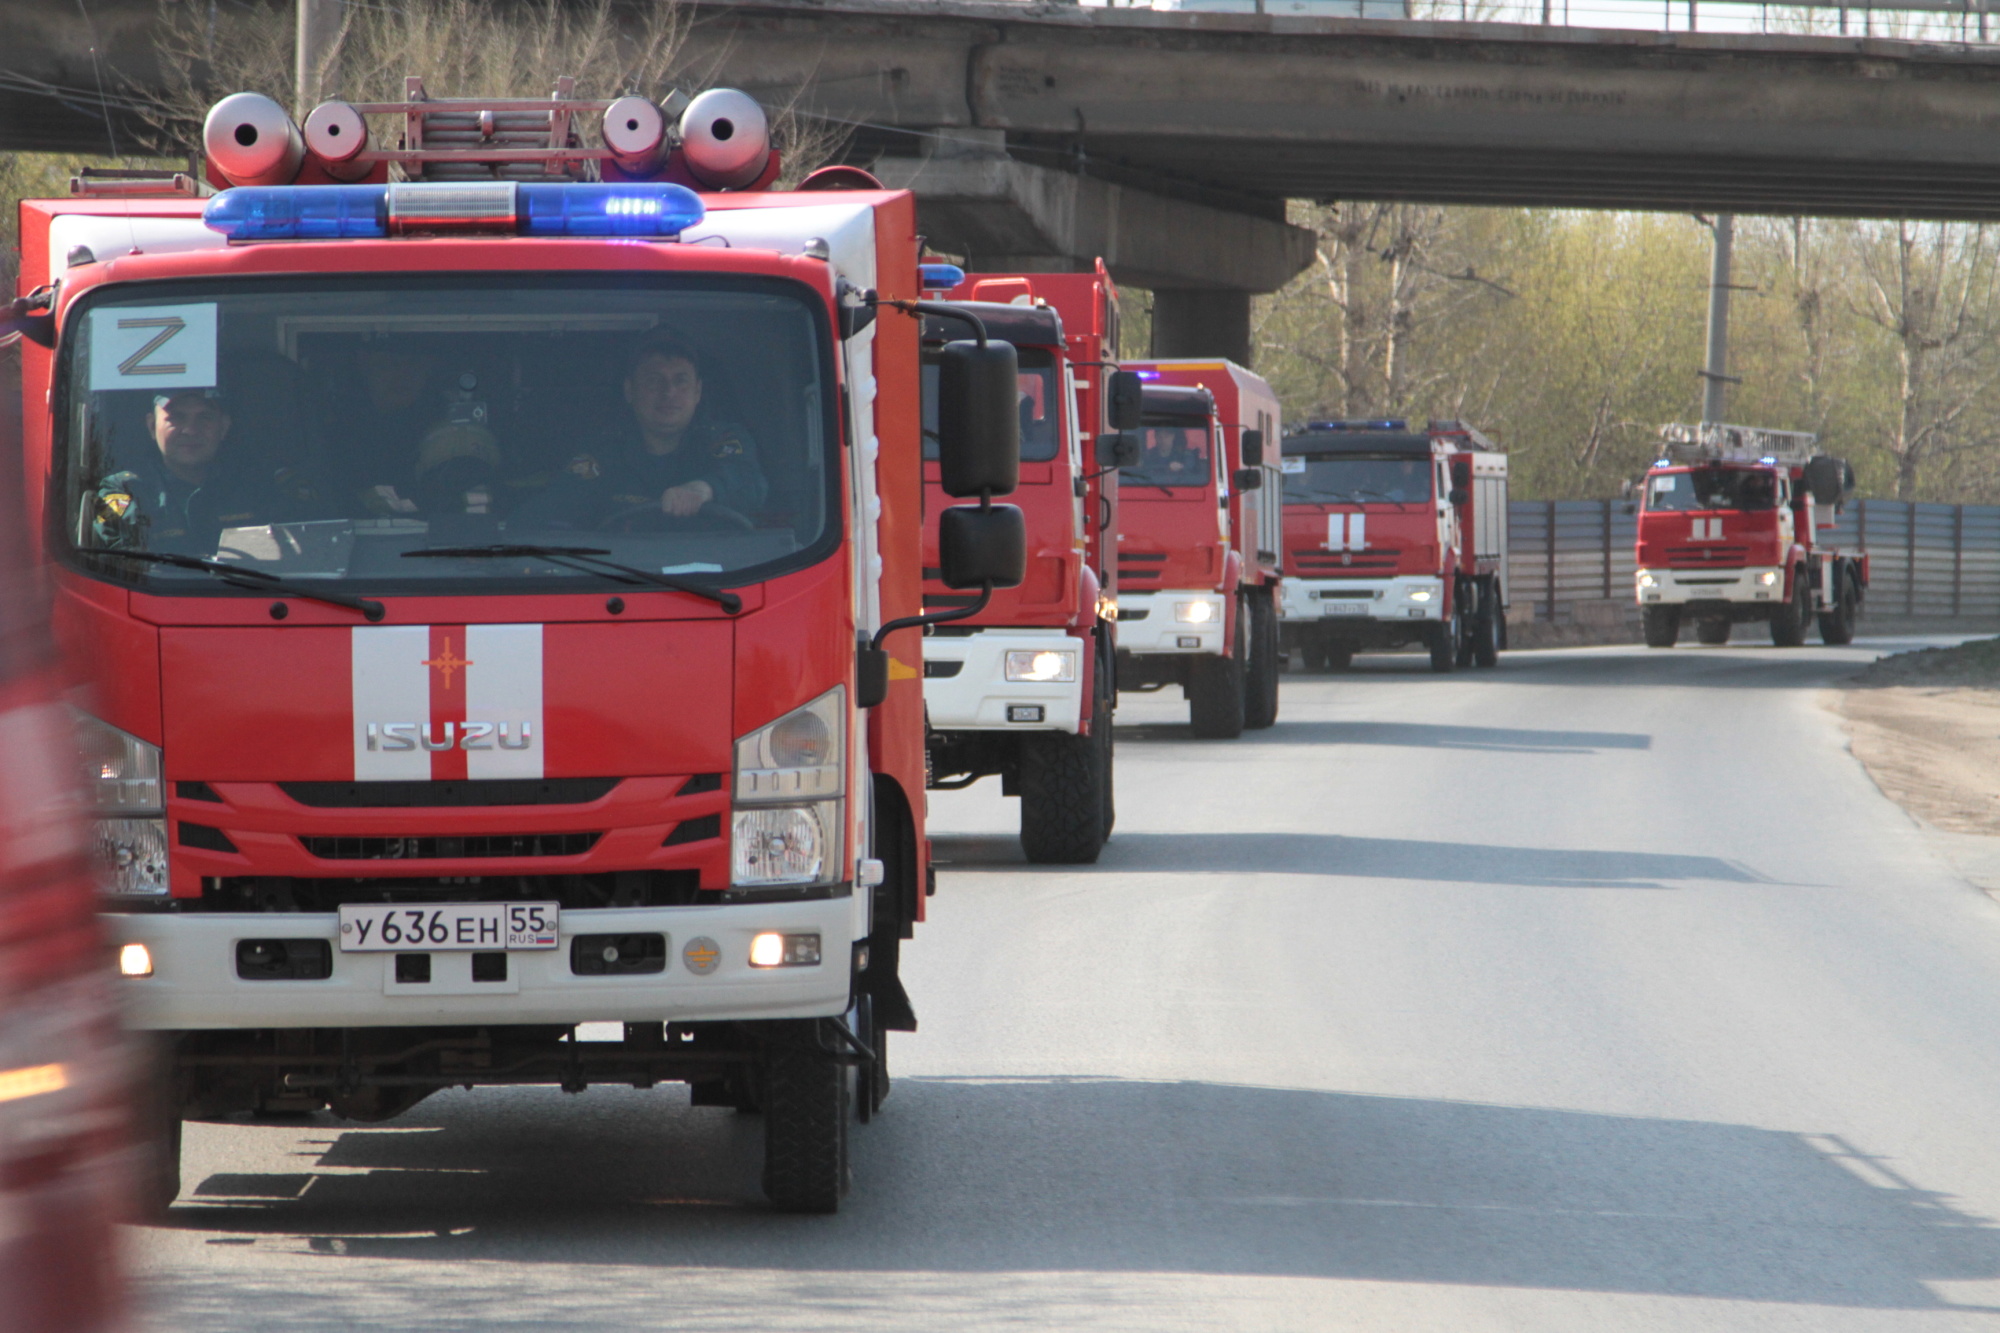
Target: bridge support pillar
{"x":1189,"y":322}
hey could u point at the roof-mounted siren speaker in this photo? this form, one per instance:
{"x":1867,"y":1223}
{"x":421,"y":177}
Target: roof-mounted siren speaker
{"x":726,"y":141}
{"x":337,"y":137}
{"x":251,"y":141}
{"x":635,"y":130}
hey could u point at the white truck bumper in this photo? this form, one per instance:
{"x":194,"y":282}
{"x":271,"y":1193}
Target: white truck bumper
{"x":1678,"y":587}
{"x":979,"y":697}
{"x":1403,"y":598}
{"x":1171,"y":622}
{"x":194,"y":982}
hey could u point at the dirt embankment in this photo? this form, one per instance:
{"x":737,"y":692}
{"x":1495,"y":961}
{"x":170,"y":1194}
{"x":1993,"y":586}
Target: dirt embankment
{"x":1927,"y":726}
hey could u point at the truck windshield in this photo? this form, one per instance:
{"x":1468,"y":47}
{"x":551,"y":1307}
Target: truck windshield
{"x":1040,"y":405}
{"x":326,"y":429}
{"x":1710,"y":488}
{"x":1349,"y":480}
{"x":1170,"y":455}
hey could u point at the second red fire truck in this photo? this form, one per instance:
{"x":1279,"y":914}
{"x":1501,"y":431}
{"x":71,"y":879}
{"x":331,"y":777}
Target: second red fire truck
{"x":1395,"y":536}
{"x":1735,"y":527}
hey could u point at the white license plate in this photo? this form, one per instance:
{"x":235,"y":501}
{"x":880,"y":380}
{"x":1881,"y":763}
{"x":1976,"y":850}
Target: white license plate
{"x":1343,"y":608}
{"x":386,"y":928}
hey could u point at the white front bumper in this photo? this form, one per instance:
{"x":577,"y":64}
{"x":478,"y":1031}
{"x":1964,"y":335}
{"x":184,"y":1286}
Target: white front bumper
{"x":1407,"y":597}
{"x":980,"y":697}
{"x":194,"y":982}
{"x":1677,"y":587}
{"x":1159,"y":628}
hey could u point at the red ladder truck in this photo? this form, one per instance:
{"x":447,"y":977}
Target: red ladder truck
{"x":1393,"y":537}
{"x":503,"y":594}
{"x":1023,"y":689}
{"x":1198,"y":565}
{"x":1735,"y":527}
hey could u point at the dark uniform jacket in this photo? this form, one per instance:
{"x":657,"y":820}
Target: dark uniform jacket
{"x":145,"y":507}
{"x":624,"y":476}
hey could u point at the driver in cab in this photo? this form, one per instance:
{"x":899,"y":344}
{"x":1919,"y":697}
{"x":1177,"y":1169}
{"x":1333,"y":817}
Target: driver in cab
{"x":669,"y":459}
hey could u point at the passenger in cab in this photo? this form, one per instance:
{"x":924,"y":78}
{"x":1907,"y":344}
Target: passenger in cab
{"x":667,"y":458}
{"x":182,"y":493}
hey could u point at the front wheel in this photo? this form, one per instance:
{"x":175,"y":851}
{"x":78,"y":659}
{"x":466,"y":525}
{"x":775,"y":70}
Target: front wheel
{"x":1260,"y":708}
{"x":1444,"y":645}
{"x":1063,"y":802}
{"x":1788,"y":622}
{"x":1836,"y":627}
{"x":1486,"y":628}
{"x":1663,"y":625}
{"x":805,"y":1125}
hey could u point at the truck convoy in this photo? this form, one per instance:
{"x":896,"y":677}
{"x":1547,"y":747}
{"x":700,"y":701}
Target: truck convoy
{"x":1022,"y":686}
{"x":1734,"y":527}
{"x":1394,"y":536}
{"x":1198,"y":526}
{"x":503,"y":592}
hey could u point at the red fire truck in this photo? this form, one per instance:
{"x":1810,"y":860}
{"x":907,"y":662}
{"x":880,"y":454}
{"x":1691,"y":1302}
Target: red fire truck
{"x":1394,"y":536}
{"x":1734,"y":528}
{"x":1023,"y":689}
{"x":1198,"y":569}
{"x":503,"y":588}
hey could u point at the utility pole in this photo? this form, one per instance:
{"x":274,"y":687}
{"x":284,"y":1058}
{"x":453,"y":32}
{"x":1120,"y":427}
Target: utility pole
{"x":318,"y":28}
{"x":1715,"y":377}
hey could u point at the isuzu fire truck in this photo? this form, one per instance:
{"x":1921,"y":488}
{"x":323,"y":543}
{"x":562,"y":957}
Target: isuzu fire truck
{"x":1393,"y":537}
{"x":1198,"y":566}
{"x":1734,"y":528}
{"x":1024,"y":688}
{"x":503,"y":588}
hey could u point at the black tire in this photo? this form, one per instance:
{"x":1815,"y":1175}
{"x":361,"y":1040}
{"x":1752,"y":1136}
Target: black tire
{"x":806,"y":1097}
{"x":1712,"y":630}
{"x":1318,"y":654}
{"x":1260,"y":705}
{"x":1836,"y":627}
{"x":1788,"y":622}
{"x":1663,"y":625}
{"x":872,"y":1079}
{"x":1339,"y":657}
{"x":1486,"y":628}
{"x":1062,"y":797}
{"x":1215,"y":697}
{"x":157,"y":1125}
{"x":1101,"y":730}
{"x":1443,"y":642}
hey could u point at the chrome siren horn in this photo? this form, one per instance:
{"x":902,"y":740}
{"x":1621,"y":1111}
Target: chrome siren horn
{"x":725,"y":139}
{"x":251,"y":141}
{"x":337,"y":135}
{"x":635,"y":130}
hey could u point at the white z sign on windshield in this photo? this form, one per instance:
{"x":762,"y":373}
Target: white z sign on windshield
{"x":153,"y":347}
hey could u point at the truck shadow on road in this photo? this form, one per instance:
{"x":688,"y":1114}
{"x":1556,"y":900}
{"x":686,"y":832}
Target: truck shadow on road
{"x":1418,"y":735}
{"x":526,"y":1200}
{"x":1359,"y":858}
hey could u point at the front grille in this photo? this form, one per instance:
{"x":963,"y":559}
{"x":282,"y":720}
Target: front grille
{"x":422,"y":795}
{"x":942,"y":670}
{"x":1707,"y":555}
{"x":1134,"y":575}
{"x":1323,"y":564}
{"x":205,"y":838}
{"x":1128,"y":617}
{"x":288,"y":893}
{"x":699,"y":829}
{"x":1126,"y":557}
{"x":450,"y":847}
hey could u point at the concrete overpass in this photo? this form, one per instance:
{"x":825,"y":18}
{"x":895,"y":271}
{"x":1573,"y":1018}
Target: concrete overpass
{"x":1040,"y":135}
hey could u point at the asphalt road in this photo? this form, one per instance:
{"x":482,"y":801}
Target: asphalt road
{"x":1600,"y":991}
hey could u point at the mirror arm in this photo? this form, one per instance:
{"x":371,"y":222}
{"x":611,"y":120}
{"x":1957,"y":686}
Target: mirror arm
{"x":941,"y":311}
{"x":977,"y":605}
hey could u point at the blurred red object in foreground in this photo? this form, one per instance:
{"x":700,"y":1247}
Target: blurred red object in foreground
{"x":66,"y":1077}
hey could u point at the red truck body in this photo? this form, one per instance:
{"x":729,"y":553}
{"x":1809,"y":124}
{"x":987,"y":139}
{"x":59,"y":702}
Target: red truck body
{"x":1734,"y":527}
{"x":1394,"y":536}
{"x":1022,"y":690}
{"x":1198,"y":562}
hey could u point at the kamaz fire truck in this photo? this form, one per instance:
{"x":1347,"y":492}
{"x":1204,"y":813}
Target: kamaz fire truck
{"x":1394,"y":536}
{"x":1734,"y":527}
{"x":1021,"y":685}
{"x":1198,"y":568}
{"x":502,"y":590}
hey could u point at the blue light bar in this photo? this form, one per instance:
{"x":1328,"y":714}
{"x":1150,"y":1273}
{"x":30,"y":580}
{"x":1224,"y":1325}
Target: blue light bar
{"x":639,"y":208}
{"x":1357,"y":425}
{"x":1147,"y":374}
{"x":299,"y":212}
{"x":941,"y":277}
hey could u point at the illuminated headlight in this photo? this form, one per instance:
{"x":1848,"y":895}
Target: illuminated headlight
{"x":1194,"y":613}
{"x":1041,"y":664}
{"x":1768,"y":578}
{"x":129,"y":835}
{"x":770,"y":949}
{"x":798,"y":756}
{"x":1648,"y":579}
{"x":1418,"y":594}
{"x":782,"y":844}
{"x":135,"y":960}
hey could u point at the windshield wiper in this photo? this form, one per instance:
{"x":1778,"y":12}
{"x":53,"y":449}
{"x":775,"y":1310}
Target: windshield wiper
{"x":588,"y":560}
{"x":248,"y":578}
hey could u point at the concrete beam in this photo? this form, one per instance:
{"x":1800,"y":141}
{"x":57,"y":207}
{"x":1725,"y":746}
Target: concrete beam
{"x":1201,"y":324}
{"x":974,"y":200}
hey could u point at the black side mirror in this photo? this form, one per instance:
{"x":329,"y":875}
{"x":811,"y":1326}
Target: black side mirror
{"x":1253,"y":447}
{"x":1247,"y":478}
{"x":1459,"y":496}
{"x":982,"y":544}
{"x":1124,"y":400}
{"x":1824,"y":478}
{"x":1117,"y":450}
{"x":979,"y":418}
{"x":1461,"y":477}
{"x":39,"y":329}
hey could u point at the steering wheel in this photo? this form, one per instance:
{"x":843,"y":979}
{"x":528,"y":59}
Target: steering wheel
{"x":717,"y":516}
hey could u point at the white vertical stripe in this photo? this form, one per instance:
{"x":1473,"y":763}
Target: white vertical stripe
{"x":391,"y":684}
{"x":1357,"y":527}
{"x":504,"y":686}
{"x":1336,"y":532}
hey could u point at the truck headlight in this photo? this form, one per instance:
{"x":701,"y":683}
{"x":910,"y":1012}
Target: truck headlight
{"x":786,"y":830}
{"x":1418,"y":594}
{"x":1768,"y":578}
{"x":128,"y":837}
{"x":798,"y":756}
{"x":783,"y":844}
{"x":1041,"y":664}
{"x":1194,"y":613}
{"x":1648,"y":579}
